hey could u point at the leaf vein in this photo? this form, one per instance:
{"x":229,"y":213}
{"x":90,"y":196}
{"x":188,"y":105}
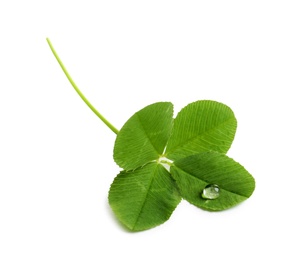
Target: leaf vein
{"x":146,"y":196}
{"x":144,"y":130}
{"x":195,"y":177}
{"x":191,"y":139}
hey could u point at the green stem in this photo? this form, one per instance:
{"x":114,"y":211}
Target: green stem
{"x":110,"y":126}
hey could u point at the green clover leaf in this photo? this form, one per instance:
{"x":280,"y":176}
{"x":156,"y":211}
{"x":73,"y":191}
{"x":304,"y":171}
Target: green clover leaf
{"x":202,"y":126}
{"x":144,"y":198}
{"x":194,"y":173}
{"x":165,"y":159}
{"x":144,"y":136}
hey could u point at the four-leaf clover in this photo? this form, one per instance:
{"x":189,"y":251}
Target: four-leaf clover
{"x":165,"y":159}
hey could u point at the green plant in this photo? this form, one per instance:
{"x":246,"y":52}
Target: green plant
{"x":165,"y":159}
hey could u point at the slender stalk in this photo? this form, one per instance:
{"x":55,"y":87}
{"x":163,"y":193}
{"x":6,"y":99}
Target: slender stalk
{"x":110,"y":126}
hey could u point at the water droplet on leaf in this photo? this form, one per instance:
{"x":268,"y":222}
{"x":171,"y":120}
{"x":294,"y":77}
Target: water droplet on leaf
{"x":211,"y":192}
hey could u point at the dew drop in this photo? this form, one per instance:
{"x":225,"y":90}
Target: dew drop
{"x":211,"y":192}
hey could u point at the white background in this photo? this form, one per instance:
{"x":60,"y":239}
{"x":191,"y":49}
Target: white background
{"x":56,"y":161}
